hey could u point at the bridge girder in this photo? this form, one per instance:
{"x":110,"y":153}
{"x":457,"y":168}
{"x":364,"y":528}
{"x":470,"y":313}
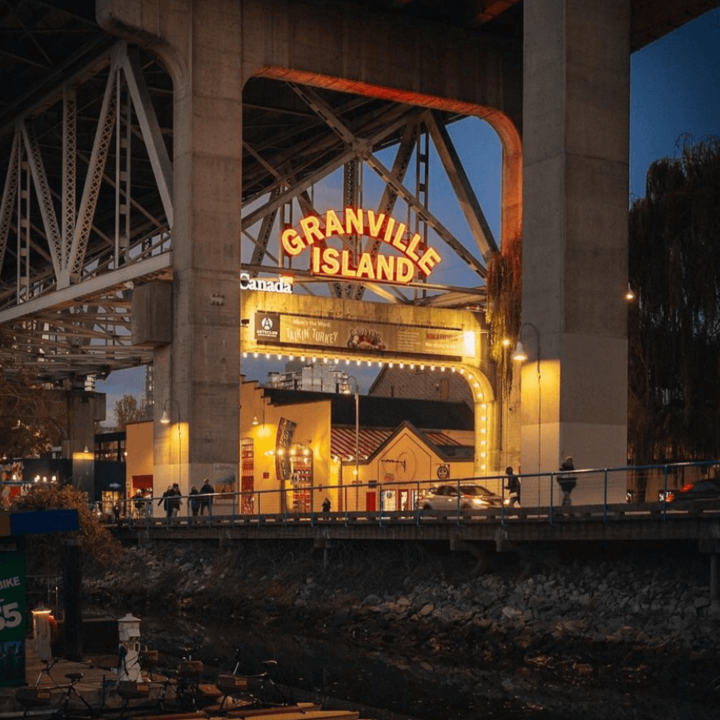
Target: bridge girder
{"x":87,"y":201}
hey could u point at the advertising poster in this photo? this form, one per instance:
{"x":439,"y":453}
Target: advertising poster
{"x":225,"y":482}
{"x":333,"y":334}
{"x":12,"y":612}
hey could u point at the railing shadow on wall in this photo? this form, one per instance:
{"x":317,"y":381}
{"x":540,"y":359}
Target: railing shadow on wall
{"x":597,"y":494}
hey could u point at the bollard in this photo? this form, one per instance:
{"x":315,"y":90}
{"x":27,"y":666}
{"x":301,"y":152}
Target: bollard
{"x":129,"y":649}
{"x":42,"y":632}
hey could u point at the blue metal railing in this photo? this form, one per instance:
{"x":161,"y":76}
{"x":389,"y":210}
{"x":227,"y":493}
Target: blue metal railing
{"x":600,"y":492}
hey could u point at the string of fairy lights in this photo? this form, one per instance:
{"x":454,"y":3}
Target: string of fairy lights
{"x":432,"y":367}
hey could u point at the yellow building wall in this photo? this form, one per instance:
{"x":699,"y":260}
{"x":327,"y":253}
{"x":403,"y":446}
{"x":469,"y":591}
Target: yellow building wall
{"x":402,"y":467}
{"x":259,"y":444}
{"x":139,"y":447}
{"x":401,"y":470}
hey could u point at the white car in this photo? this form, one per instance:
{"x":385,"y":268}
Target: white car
{"x":446,"y":497}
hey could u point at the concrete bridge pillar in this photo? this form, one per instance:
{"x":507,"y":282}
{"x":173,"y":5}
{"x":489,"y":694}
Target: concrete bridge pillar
{"x":197,"y":376}
{"x":576,"y":154}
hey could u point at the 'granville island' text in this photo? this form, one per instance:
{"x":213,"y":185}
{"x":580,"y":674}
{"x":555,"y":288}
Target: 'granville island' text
{"x":356,"y":221}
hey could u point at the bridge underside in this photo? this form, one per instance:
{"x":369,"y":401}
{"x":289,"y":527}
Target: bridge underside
{"x":173,"y":145}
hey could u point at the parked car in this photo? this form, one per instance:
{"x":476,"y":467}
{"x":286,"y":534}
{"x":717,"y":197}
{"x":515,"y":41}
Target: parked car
{"x":445,"y":497}
{"x":701,"y":490}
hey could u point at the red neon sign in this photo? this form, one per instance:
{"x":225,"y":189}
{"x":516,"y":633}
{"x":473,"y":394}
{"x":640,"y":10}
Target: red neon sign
{"x":314,"y":230}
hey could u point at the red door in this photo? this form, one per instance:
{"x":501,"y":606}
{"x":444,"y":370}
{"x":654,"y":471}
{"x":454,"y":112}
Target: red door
{"x":370,"y":502}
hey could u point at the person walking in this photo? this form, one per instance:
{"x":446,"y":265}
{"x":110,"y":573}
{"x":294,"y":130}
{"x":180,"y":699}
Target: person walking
{"x":567,"y":480}
{"x":194,"y":500}
{"x":326,"y":506}
{"x":206,"y":493}
{"x":166,"y":502}
{"x":175,"y":500}
{"x":139,"y":503}
{"x":512,"y":485}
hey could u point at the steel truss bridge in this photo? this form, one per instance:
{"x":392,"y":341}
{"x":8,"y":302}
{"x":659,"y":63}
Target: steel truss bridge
{"x":87,"y":200}
{"x":86,"y":163}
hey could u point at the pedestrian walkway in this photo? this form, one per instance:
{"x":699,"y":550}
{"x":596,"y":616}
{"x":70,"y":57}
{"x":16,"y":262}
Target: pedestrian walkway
{"x":97,"y":688}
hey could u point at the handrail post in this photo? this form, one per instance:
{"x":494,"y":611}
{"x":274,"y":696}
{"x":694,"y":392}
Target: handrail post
{"x":502,"y":500}
{"x":605,"y":513}
{"x":382,"y":504}
{"x":457,"y":507}
{"x":551,"y":514}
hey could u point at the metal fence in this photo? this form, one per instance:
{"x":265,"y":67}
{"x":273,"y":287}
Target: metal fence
{"x":541,"y":497}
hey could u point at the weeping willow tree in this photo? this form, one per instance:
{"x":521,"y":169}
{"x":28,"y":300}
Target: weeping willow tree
{"x":674,"y":326}
{"x":504,"y":289}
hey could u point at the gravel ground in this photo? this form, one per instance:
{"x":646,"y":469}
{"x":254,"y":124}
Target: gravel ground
{"x":428,"y":633}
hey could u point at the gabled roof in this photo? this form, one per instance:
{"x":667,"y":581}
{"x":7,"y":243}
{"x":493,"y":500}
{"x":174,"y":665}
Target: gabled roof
{"x":370,"y":442}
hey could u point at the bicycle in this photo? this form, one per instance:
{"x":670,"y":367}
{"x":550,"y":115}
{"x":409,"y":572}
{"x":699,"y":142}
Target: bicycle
{"x":251,"y":691}
{"x":58,"y":696}
{"x":184,"y":684}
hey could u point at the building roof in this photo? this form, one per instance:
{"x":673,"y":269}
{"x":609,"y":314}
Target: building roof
{"x":369,"y":441}
{"x":382,"y":412}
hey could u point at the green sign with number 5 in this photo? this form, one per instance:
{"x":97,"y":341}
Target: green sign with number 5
{"x":12,"y":612}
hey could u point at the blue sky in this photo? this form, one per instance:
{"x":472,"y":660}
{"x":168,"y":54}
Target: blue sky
{"x":675,"y":89}
{"x":675,"y":92}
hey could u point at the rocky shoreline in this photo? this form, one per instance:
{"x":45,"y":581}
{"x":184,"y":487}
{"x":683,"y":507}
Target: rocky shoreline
{"x":510,"y":635}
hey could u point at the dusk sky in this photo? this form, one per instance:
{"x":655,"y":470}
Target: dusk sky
{"x":675,"y":93}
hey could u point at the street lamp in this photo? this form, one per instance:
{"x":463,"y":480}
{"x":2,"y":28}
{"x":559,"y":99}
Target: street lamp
{"x":256,"y":420}
{"x":357,"y":427}
{"x":521,"y":356}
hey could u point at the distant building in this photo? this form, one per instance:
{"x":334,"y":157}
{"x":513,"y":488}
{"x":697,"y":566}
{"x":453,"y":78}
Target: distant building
{"x":311,"y":376}
{"x":421,"y":384}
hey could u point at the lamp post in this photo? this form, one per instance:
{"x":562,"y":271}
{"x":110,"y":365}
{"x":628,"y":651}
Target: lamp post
{"x":357,"y":427}
{"x":256,"y":420}
{"x":521,"y":356}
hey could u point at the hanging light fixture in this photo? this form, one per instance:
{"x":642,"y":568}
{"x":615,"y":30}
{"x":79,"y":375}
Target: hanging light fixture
{"x":520,"y":355}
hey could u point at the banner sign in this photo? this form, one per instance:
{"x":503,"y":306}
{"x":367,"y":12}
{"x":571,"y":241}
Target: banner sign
{"x":332,"y":334}
{"x":12,"y":612}
{"x":410,"y":255}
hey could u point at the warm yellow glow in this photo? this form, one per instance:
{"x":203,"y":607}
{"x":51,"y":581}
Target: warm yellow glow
{"x":325,"y":260}
{"x":519,"y":355}
{"x":469,"y":342}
